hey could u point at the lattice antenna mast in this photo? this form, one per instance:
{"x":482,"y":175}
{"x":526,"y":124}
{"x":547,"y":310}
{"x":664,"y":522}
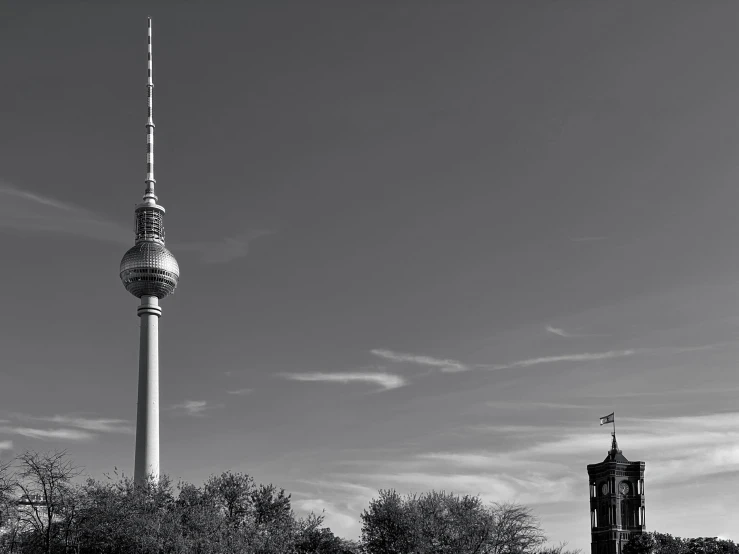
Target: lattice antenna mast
{"x":149,"y":224}
{"x":149,"y":195}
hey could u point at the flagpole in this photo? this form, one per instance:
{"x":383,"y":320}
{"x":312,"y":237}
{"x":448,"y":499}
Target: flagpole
{"x":614,"y":424}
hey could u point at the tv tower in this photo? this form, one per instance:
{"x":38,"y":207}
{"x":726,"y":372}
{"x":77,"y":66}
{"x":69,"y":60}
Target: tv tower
{"x":149,"y":271}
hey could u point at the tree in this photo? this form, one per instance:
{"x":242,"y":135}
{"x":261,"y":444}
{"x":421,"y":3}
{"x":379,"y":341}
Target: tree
{"x":45,"y":481}
{"x":559,"y":549}
{"x":449,"y":524}
{"x":9,"y":515}
{"x":273,"y":527}
{"x":270,"y":505}
{"x":441,"y":523}
{"x":314,"y":539}
{"x":515,"y":530}
{"x":387,"y":527}
{"x":667,"y":544}
{"x":664,"y":543}
{"x":231,"y":493}
{"x":712,"y":545}
{"x":7,"y":487}
{"x":641,"y":544}
{"x":351,"y":547}
{"x":200,"y":521}
{"x":122,"y":517}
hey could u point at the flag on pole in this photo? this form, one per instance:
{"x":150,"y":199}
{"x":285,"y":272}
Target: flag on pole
{"x":607,"y":419}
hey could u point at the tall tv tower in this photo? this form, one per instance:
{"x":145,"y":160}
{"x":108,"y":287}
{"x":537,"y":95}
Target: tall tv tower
{"x":149,"y":271}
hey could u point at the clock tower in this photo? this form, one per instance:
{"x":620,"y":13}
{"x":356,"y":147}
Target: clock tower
{"x":616,"y":501}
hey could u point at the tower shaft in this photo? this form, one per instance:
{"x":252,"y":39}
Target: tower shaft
{"x":147,"y":410}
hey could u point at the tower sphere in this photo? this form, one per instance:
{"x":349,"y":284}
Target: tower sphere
{"x":149,"y":269}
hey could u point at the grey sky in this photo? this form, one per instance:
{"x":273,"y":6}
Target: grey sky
{"x":423,"y":244}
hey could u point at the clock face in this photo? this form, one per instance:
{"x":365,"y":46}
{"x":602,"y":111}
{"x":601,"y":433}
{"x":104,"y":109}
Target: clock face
{"x":604,"y":488}
{"x":623,"y":487}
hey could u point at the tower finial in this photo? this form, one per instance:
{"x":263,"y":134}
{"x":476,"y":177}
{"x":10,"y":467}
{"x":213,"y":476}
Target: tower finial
{"x":149,"y":195}
{"x":614,"y":444}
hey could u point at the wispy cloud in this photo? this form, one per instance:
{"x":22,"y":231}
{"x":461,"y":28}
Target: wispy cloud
{"x":240,"y":392}
{"x":224,"y":250}
{"x":682,"y":447}
{"x":6,"y":445}
{"x":690,"y":391}
{"x":334,"y":517}
{"x":446,"y":365}
{"x":487,"y":461}
{"x":546,"y":465}
{"x":29,"y":212}
{"x":557,"y":331}
{"x":681,"y":349}
{"x":531,"y":487}
{"x":587,"y":239}
{"x":191,"y":407}
{"x":355,"y":489}
{"x":542,"y":466}
{"x":100,"y":425}
{"x":586,"y":357}
{"x":385,"y":380}
{"x":74,"y":428}
{"x":11,"y":191}
{"x":49,"y":434}
{"x":535,"y":405}
{"x":569,"y":335}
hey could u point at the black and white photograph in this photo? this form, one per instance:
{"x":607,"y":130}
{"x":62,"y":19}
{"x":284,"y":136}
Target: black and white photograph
{"x":369,"y":277}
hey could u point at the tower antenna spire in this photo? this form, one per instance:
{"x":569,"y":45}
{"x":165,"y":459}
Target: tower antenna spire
{"x":149,"y":195}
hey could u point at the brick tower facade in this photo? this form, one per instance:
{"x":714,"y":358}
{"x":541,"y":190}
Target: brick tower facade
{"x":616,"y":501}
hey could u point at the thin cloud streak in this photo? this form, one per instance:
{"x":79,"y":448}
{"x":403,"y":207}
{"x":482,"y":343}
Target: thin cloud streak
{"x":240,"y":392}
{"x":224,"y":250}
{"x":191,"y":407}
{"x":354,"y":488}
{"x":21,"y":210}
{"x":534,"y":405}
{"x":586,"y":357}
{"x":446,"y":365}
{"x":557,"y":331}
{"x":12,"y":191}
{"x":6,"y":445}
{"x":587,"y":239}
{"x":387,"y":381}
{"x":25,"y":211}
{"x":673,"y":392}
{"x":535,"y":488}
{"x":43,"y":434}
{"x":487,"y":461}
{"x":92,"y":424}
{"x":566,"y":334}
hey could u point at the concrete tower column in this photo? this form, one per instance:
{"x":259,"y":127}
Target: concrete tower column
{"x":147,"y":411}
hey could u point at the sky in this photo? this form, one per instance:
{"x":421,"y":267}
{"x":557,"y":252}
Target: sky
{"x":423,"y":245}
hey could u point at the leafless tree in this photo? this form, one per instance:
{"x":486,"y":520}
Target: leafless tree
{"x":45,"y":482}
{"x":516,"y":530}
{"x":559,"y":549}
{"x":8,"y":508}
{"x":7,"y":487}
